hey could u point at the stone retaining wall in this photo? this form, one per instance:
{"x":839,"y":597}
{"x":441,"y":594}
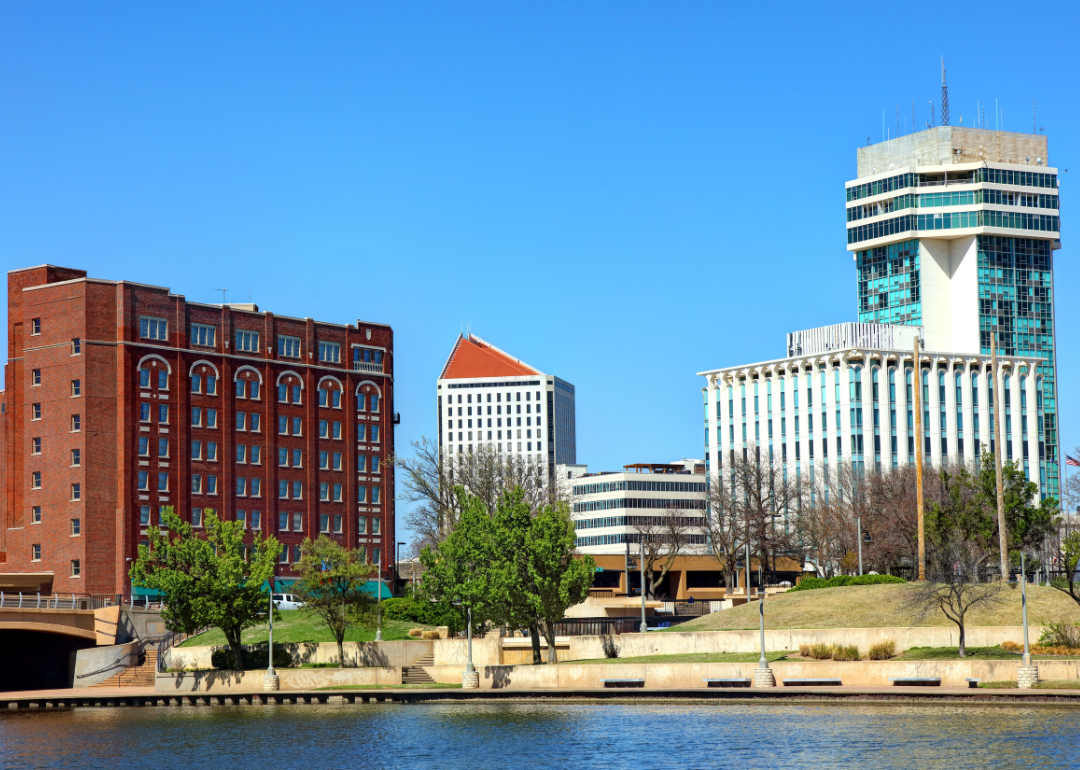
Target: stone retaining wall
{"x":290,"y":679}
{"x":397,"y":653}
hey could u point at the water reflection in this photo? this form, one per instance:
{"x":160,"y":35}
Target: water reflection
{"x":538,"y":735}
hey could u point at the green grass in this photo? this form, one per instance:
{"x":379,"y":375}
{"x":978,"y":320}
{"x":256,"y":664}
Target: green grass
{"x":877,"y":607}
{"x":971,"y":653}
{"x":296,"y":626}
{"x":1045,"y":684}
{"x":691,"y":657}
{"x":391,"y":687}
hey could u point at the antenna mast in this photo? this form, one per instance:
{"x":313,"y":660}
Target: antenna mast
{"x":944,"y":96}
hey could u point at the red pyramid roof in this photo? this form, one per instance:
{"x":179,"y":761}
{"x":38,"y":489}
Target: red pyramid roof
{"x":472,"y":357}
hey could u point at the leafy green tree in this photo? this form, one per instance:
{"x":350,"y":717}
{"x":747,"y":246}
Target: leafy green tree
{"x":1069,"y":557}
{"x":1027,"y":518}
{"x":332,"y":581}
{"x":558,"y":578}
{"x":512,"y":521}
{"x":207,"y":581}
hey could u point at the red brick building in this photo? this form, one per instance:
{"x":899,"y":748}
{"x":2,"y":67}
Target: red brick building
{"x":121,"y":398}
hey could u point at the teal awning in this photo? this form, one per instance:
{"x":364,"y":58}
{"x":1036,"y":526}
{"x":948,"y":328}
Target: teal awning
{"x":152,"y":593}
{"x":372,"y":588}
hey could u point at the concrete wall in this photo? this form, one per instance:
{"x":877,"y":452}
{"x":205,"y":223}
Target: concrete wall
{"x":454,"y":652}
{"x":357,"y":654}
{"x":97,"y":658}
{"x":691,"y":675}
{"x":670,"y":643}
{"x":290,"y":679}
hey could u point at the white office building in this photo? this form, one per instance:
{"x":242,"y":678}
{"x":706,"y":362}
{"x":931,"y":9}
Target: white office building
{"x":488,"y":398}
{"x":609,"y":507}
{"x":856,"y":405}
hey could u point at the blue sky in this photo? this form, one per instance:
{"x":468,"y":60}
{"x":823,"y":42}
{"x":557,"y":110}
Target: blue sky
{"x":619,"y":193}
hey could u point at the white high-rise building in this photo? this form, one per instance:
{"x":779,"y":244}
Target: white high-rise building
{"x":486,"y":397}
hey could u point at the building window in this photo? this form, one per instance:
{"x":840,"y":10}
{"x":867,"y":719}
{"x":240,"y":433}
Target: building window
{"x":76,"y":388}
{"x":296,"y":425}
{"x":283,"y":522}
{"x":361,"y":493}
{"x":35,"y":411}
{"x":35,"y":480}
{"x":298,"y":490}
{"x":296,"y":553}
{"x":144,"y":411}
{"x":76,"y":492}
{"x":253,"y":423}
{"x":374,"y":402}
{"x":283,"y":490}
{"x":211,"y":385}
{"x":330,"y":352}
{"x":247,"y":342}
{"x":35,"y":552}
{"x":211,"y":485}
{"x":76,"y":568}
{"x":76,"y":423}
{"x":144,"y":515}
{"x":144,"y":481}
{"x":297,"y":458}
{"x":196,"y":484}
{"x":35,"y":446}
{"x":361,"y":463}
{"x":376,"y":525}
{"x":241,"y":487}
{"x":35,"y":514}
{"x":35,"y":326}
{"x":253,"y":389}
{"x":196,"y":450}
{"x":241,"y":453}
{"x":283,"y":457}
{"x":76,"y":458}
{"x":196,"y":517}
{"x":376,"y":556}
{"x":35,"y":377}
{"x":202,"y":334}
{"x":144,"y":378}
{"x":162,"y":379}
{"x":241,"y":420}
{"x":241,"y":389}
{"x":241,"y":516}
{"x":163,"y":447}
{"x":337,"y":493}
{"x":76,"y":346}
{"x":163,"y":482}
{"x":361,"y":525}
{"x":256,"y":520}
{"x":324,"y":522}
{"x":255,"y":454}
{"x":337,"y":461}
{"x":196,"y":416}
{"x":374,"y":434}
{"x":324,"y":429}
{"x":163,"y":413}
{"x":196,"y":383}
{"x":211,"y":418}
{"x":76,"y":527}
{"x":283,"y":426}
{"x":375,"y":495}
{"x":324,"y":491}
{"x":144,"y":446}
{"x":288,"y":347}
{"x":153,"y":328}
{"x":255,"y":487}
{"x":375,"y":464}
{"x":336,"y":430}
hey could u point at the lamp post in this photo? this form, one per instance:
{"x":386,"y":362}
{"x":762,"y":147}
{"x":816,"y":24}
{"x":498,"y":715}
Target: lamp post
{"x":1026,"y":674}
{"x":271,"y":682}
{"x":470,"y":680}
{"x":641,"y":566}
{"x":858,"y":521}
{"x":378,"y":602}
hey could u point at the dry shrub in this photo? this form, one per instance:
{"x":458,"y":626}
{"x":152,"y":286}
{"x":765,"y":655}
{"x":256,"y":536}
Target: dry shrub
{"x":845,"y":652}
{"x":821,"y":651}
{"x":1041,"y":649}
{"x":882,"y":651}
{"x":1012,"y":647}
{"x":430,"y":635}
{"x":416,"y":633}
{"x":804,"y":650}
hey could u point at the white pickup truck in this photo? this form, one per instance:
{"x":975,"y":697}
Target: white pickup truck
{"x":287,"y":602}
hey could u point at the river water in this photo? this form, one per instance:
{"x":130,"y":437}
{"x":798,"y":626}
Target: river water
{"x":528,"y":736}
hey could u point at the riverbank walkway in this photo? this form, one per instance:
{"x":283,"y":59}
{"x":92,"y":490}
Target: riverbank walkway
{"x":144,"y":697}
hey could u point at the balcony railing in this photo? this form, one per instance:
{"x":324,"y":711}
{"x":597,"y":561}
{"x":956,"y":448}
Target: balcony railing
{"x":945,"y":183}
{"x":369,"y":368}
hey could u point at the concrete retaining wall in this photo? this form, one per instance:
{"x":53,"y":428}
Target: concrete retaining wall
{"x":690,"y":675}
{"x":290,"y":679}
{"x":97,"y":658}
{"x":384,"y":654}
{"x":672,"y":643}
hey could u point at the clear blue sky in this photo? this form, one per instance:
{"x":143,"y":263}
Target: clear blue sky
{"x":619,"y":193}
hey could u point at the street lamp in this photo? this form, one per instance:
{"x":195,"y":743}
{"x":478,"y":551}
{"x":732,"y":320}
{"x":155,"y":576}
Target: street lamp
{"x":1026,"y":674}
{"x":470,"y":680}
{"x":863,"y":536}
{"x":378,"y":602}
{"x":641,"y":548}
{"x":271,"y":683}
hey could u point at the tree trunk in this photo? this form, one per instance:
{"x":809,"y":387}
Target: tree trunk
{"x":233,"y":638}
{"x":962,"y":640}
{"x":549,"y":635}
{"x":341,"y":651}
{"x":534,"y":632}
{"x":729,"y":583}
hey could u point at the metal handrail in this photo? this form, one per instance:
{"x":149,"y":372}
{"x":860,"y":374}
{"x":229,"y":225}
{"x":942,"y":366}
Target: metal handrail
{"x":115,"y":664}
{"x":173,"y":639}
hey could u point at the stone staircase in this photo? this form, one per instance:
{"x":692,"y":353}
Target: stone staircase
{"x":417,"y":673}
{"x":141,"y":675}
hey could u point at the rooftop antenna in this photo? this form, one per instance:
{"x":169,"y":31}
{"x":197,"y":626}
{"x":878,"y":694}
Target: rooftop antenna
{"x":223,"y":291}
{"x":944,"y":96}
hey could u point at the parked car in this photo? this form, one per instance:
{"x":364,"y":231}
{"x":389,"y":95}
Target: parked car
{"x":287,"y":602}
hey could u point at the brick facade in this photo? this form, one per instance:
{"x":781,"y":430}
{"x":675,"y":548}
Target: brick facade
{"x":114,"y":397}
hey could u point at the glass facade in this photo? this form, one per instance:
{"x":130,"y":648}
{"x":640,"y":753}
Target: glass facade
{"x":889,"y":284}
{"x":1012,"y":220}
{"x":1016,"y":306}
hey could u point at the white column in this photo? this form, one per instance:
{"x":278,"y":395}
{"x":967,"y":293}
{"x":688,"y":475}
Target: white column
{"x":868,"y":410}
{"x":768,"y":411}
{"x":985,"y":423}
{"x":950,"y":412}
{"x":1032,"y":424}
{"x":789,"y":390}
{"x":968,"y":411}
{"x":902,"y":454}
{"x":845,"y":408}
{"x":999,"y":386}
{"x":830,"y":406}
{"x":712,"y":422}
{"x":935,"y":415}
{"x":1015,"y":434}
{"x":806,"y":382}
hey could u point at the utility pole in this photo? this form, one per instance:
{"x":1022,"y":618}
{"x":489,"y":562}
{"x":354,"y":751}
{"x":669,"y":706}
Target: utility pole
{"x":641,"y":566}
{"x":916,"y":378}
{"x":859,"y":524}
{"x":1002,"y":534}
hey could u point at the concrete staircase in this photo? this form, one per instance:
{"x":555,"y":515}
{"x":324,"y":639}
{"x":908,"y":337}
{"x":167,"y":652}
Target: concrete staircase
{"x":417,"y":673}
{"x":141,"y":675}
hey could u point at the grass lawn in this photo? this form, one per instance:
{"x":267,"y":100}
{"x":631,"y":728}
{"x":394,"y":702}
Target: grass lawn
{"x":876,"y":607}
{"x":691,"y":657}
{"x":1045,"y":684}
{"x":300,"y":626}
{"x":971,"y":653}
{"x":391,"y":687}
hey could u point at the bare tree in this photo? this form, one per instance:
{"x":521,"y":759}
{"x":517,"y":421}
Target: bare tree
{"x":753,"y":499}
{"x":725,"y":532}
{"x":428,"y":479}
{"x":953,"y":586}
{"x":663,"y":536}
